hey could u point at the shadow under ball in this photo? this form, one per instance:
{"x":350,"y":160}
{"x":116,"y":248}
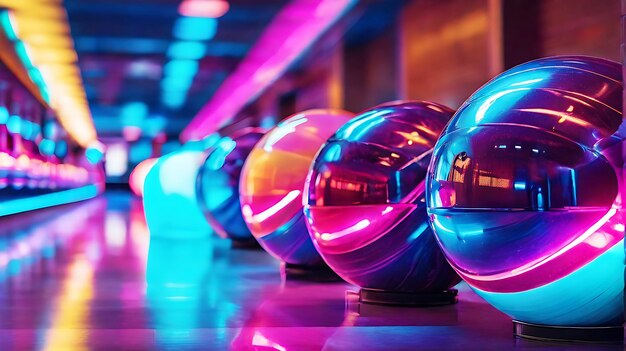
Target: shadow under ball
{"x":365,"y":204}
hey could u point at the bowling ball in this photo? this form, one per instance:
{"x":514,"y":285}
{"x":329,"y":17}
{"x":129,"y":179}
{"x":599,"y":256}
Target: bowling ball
{"x":272,"y":183}
{"x":138,"y":176}
{"x":170,"y":203}
{"x":365,"y":200}
{"x":523,"y":192}
{"x":218,"y":183}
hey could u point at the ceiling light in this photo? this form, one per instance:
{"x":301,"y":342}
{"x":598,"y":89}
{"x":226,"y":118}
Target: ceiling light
{"x":7,"y":25}
{"x":181,"y":68}
{"x":174,"y":99}
{"x":23,"y":54}
{"x":53,"y":55}
{"x":195,"y":28}
{"x":190,"y":50}
{"x":203,"y":8}
{"x":280,"y":45}
{"x":41,"y":37}
{"x":131,"y":133}
{"x":176,"y":83}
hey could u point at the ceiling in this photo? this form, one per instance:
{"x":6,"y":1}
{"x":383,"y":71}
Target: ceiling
{"x":122,"y":46}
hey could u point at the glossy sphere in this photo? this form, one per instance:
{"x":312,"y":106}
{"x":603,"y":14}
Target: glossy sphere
{"x":523,"y":192}
{"x":218,"y":186}
{"x":272,"y":183}
{"x":365,"y":200}
{"x":169,"y":197}
{"x":138,"y":176}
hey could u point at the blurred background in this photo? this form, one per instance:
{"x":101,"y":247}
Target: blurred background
{"x":149,"y":68}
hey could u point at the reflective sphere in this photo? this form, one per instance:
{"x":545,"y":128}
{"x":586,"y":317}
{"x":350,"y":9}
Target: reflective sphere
{"x":169,"y":197}
{"x":218,"y":186}
{"x":272,"y":182}
{"x":138,"y":176}
{"x":365,"y":200}
{"x":523,"y":192}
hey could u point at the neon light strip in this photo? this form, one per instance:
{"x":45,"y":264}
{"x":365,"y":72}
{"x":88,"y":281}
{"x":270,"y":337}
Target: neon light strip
{"x":294,"y":29}
{"x":263,"y":216}
{"x":11,"y":207}
{"x":41,"y":35}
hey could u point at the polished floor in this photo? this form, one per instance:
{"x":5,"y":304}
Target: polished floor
{"x":89,"y":277}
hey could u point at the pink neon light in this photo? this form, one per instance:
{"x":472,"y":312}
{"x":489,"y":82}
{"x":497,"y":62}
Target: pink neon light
{"x":203,"y":8}
{"x":577,"y":253}
{"x":531,"y":265}
{"x":260,"y":340}
{"x":131,"y":133}
{"x":292,"y":31}
{"x":263,"y":216}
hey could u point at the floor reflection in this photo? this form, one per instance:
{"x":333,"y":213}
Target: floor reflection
{"x":89,"y":277}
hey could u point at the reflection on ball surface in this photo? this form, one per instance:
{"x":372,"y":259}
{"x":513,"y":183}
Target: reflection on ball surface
{"x":218,"y":189}
{"x":170,"y":203}
{"x":365,"y":200}
{"x":523,"y":192}
{"x":272,"y":182}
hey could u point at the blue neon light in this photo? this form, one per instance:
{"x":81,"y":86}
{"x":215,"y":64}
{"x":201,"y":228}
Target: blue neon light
{"x":93,"y":155}
{"x":4,"y":115}
{"x":174,"y":99}
{"x":20,"y":50}
{"x":170,"y":203}
{"x":187,"y":50}
{"x":5,"y":21}
{"x":36,"y":77}
{"x":195,"y":28}
{"x":45,"y":94}
{"x":61,"y":149}
{"x":519,"y":185}
{"x":140,"y":151}
{"x":333,"y":153}
{"x":46,"y":147}
{"x":176,"y":83}
{"x":598,"y":299}
{"x":138,"y":46}
{"x":35,"y":132}
{"x":26,"y":129}
{"x":14,"y":124}
{"x":10,"y":207}
{"x":181,"y":68}
{"x":50,"y":129}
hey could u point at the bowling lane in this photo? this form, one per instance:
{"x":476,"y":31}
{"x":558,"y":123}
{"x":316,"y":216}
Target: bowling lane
{"x":88,"y":277}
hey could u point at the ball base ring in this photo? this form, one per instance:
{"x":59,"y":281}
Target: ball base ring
{"x":415,"y":299}
{"x":605,"y":335}
{"x":310,"y":273}
{"x":245,"y":245}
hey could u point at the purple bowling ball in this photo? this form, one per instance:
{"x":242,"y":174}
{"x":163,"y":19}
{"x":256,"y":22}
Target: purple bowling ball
{"x":365,"y":201}
{"x":524,"y":192}
{"x":218,"y":184}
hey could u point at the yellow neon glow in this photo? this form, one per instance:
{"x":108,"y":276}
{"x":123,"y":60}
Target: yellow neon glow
{"x":42,"y":26}
{"x":52,"y":55}
{"x":47,"y":40}
{"x":73,"y":308}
